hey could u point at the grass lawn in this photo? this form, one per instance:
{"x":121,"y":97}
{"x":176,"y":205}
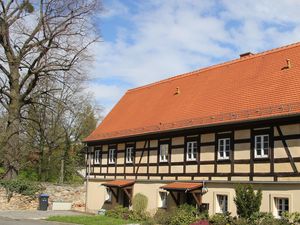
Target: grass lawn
{"x":89,"y":220}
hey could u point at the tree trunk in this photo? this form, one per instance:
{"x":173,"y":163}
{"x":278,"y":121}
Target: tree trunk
{"x":64,"y":159}
{"x":12,"y":140}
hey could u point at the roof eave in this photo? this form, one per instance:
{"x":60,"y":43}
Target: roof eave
{"x":197,"y":126}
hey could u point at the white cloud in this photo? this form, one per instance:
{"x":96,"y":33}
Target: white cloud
{"x":167,"y":38}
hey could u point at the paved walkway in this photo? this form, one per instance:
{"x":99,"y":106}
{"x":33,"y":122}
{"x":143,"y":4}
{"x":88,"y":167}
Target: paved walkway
{"x":8,"y":221}
{"x":35,"y":214}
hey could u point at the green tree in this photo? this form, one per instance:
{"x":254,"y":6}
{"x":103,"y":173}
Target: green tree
{"x":247,"y":201}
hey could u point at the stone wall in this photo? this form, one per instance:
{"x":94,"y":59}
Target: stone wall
{"x":57,"y":193}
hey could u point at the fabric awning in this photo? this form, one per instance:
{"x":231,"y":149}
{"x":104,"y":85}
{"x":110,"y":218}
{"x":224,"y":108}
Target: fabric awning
{"x":182,"y":186}
{"x":119,"y":183}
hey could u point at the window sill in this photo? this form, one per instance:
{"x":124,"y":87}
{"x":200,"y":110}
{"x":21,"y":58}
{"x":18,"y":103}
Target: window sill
{"x":267,"y":158}
{"x":191,"y":160}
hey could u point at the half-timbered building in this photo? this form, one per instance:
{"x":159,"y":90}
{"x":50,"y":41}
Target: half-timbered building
{"x":191,"y":138}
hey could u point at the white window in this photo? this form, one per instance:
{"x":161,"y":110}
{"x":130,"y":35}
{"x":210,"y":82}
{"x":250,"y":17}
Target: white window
{"x":97,"y":156}
{"x":108,"y":195}
{"x":164,"y":153}
{"x":223,"y":148}
{"x":261,"y":146}
{"x":222,"y":204}
{"x":163,"y":196}
{"x":191,"y":151}
{"x":111,"y":156}
{"x":129,"y":154}
{"x":282,"y":205}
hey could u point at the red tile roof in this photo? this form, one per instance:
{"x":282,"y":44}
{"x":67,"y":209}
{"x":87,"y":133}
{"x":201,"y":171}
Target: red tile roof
{"x":182,"y":186}
{"x":253,"y":87}
{"x":119,"y":183}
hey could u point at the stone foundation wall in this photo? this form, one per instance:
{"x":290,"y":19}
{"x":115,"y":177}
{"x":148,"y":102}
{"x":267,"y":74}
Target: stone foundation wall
{"x":57,"y":193}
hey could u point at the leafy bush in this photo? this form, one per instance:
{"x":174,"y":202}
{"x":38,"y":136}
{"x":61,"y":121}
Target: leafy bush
{"x":139,"y":216}
{"x":183,"y":215}
{"x":162,"y":217}
{"x":293,"y":218}
{"x":118,"y":212}
{"x":247,"y":201}
{"x":121,"y":212}
{"x":20,"y":186}
{"x":139,"y":203}
{"x":259,"y":218}
{"x":221,"y":219}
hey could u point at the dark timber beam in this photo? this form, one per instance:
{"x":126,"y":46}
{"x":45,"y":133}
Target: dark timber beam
{"x":142,"y":155}
{"x":114,"y":193}
{"x":128,"y":192}
{"x":197,"y":197}
{"x":287,"y":150}
{"x":176,"y":200}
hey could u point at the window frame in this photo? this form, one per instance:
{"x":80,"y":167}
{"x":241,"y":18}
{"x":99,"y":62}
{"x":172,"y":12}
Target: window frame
{"x":163,"y":203}
{"x":193,"y":152}
{"x":166,"y":157}
{"x":97,"y":155}
{"x":280,"y":208}
{"x":220,"y":207}
{"x":262,"y":149}
{"x":131,"y":161}
{"x":224,"y":150}
{"x":114,"y":156}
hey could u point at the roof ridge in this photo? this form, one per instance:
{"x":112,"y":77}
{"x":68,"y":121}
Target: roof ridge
{"x":230,"y":62}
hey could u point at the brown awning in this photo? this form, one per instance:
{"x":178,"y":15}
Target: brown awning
{"x":119,"y":183}
{"x":182,"y":186}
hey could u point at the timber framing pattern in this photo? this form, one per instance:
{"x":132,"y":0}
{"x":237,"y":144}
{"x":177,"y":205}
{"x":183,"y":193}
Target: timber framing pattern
{"x":145,"y":168}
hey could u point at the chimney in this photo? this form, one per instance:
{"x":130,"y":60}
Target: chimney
{"x":243,"y":55}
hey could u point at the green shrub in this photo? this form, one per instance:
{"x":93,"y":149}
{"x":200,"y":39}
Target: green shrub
{"x":247,"y":201}
{"x":183,"y":215}
{"x":259,"y":218}
{"x":121,"y":212}
{"x":221,"y":219}
{"x":293,"y":218}
{"x":139,"y":216}
{"x":20,"y":186}
{"x":162,"y":217}
{"x":118,"y":212}
{"x":139,"y":203}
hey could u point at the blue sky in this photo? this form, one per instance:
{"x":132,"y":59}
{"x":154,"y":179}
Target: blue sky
{"x":145,"y":41}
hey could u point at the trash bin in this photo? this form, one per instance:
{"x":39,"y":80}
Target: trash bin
{"x":43,"y":202}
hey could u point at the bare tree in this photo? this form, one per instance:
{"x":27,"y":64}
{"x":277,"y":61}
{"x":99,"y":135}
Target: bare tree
{"x":41,"y":41}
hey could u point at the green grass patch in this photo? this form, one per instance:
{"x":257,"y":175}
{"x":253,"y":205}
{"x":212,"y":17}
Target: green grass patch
{"x":89,"y":220}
